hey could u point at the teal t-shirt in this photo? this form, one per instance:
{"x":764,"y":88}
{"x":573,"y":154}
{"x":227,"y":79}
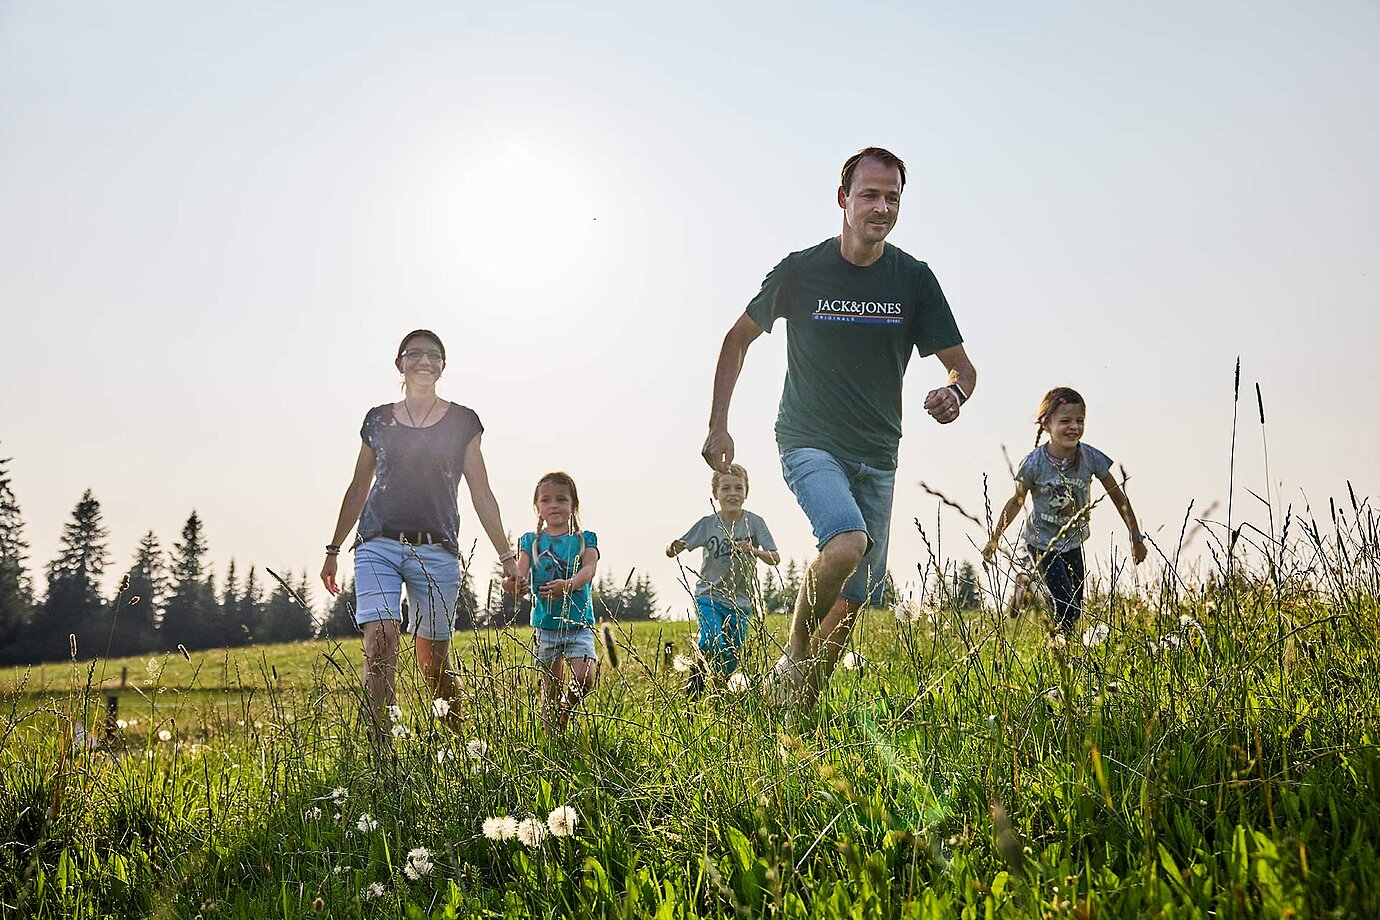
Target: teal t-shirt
{"x":553,"y":558}
{"x":850,"y":334}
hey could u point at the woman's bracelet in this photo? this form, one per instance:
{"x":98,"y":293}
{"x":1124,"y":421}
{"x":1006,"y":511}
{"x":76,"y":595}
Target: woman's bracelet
{"x":332,"y":549}
{"x":506,"y":556}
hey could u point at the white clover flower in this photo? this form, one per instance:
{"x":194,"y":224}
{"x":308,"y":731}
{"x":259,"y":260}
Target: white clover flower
{"x":682,"y":663}
{"x":444,"y":755}
{"x":373,"y":892}
{"x":477,"y":747}
{"x":738,"y":682}
{"x":500,"y":828}
{"x":400,"y":731}
{"x":851,"y":661}
{"x":367,"y":823}
{"x":531,"y":832}
{"x":313,"y":813}
{"x":1094,"y":636}
{"x":418,"y":863}
{"x":164,"y":735}
{"x":394,"y":713}
{"x":440,"y":707}
{"x":562,"y":821}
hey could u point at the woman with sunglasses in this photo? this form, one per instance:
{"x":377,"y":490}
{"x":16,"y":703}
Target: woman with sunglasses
{"x":404,"y":498}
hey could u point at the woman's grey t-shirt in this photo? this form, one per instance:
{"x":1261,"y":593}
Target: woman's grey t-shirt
{"x":417,"y":473}
{"x":1059,"y":496}
{"x":728,"y":574}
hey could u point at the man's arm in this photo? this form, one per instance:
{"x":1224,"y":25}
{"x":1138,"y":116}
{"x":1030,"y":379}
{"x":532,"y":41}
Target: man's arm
{"x":718,"y":446}
{"x":943,"y":404}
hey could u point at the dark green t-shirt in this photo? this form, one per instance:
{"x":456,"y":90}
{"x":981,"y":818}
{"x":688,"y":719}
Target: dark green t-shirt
{"x":850,"y":336}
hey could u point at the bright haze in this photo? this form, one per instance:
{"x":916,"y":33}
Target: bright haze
{"x":217,"y":220}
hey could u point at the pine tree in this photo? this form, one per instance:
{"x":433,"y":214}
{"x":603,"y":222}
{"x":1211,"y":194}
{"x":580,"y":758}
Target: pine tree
{"x":640,"y":600}
{"x":229,"y":619}
{"x":286,"y":620}
{"x":187,"y":618}
{"x":965,"y":586}
{"x":340,"y":616}
{"x":16,"y":593}
{"x":74,"y":605}
{"x":466,"y":604}
{"x":610,"y":602}
{"x":141,"y":605}
{"x":250,"y":610}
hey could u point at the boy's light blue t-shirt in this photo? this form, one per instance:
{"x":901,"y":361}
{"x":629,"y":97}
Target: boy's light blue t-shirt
{"x":728,"y":574}
{"x":1059,"y":496}
{"x":553,"y":558}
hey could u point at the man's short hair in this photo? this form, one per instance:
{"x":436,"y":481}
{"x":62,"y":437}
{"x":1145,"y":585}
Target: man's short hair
{"x":885,"y":157}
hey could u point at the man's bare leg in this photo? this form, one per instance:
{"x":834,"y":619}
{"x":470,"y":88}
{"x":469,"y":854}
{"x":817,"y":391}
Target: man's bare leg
{"x":819,"y":595}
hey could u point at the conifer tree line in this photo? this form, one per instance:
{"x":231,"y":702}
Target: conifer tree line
{"x":170,"y":597}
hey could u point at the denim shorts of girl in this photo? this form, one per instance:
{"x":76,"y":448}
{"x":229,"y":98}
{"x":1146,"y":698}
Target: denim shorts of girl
{"x":432,"y":576}
{"x":839,"y":496}
{"x":564,"y":643}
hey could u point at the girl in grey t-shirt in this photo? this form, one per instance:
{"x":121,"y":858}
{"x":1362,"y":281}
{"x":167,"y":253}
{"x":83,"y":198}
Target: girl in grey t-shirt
{"x":1058,"y":475}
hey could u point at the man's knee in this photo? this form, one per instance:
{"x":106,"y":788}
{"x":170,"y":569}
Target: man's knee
{"x":844,"y":550}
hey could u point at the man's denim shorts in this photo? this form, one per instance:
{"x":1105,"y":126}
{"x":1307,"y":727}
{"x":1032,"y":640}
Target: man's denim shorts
{"x":839,"y":496}
{"x":432,"y":576}
{"x":565,"y":643}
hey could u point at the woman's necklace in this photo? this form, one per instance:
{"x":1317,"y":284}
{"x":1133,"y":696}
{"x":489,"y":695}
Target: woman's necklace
{"x":408,"y":410}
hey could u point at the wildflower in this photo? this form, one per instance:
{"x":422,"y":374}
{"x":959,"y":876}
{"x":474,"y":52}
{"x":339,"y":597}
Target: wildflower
{"x":531,"y":832}
{"x":477,"y":747}
{"x":418,"y":863}
{"x":339,"y":794}
{"x":851,"y":661}
{"x":400,"y":731}
{"x":394,"y":713}
{"x":373,"y":892}
{"x":562,"y":821}
{"x":367,"y":823}
{"x":164,"y":735}
{"x":444,"y":754}
{"x":912,"y":611}
{"x":504,"y":828}
{"x":739,"y":682}
{"x":1094,"y":636}
{"x":682,"y":663}
{"x":313,"y":813}
{"x":440,"y":707}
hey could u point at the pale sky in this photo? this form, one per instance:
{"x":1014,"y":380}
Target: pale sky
{"x":217,"y":221}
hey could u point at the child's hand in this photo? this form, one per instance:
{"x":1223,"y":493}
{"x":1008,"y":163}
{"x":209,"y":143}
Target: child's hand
{"x":556,"y":588}
{"x":744,"y":545}
{"x":515,"y":585}
{"x":1138,"y":551}
{"x":989,"y":552}
{"x":675,"y":549}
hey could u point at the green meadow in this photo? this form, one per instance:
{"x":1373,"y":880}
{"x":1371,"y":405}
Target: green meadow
{"x":1204,"y":748}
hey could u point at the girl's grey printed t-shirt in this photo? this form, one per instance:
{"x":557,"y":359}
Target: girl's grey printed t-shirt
{"x":728,"y":573}
{"x":1060,"y":497}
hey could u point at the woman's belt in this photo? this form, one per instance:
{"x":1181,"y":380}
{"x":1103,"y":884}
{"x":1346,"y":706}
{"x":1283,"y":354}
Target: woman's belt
{"x":412,"y":537}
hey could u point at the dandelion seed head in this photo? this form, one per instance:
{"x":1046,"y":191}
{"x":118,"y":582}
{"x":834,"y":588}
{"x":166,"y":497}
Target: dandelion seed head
{"x":121,"y":724}
{"x":738,"y":682}
{"x":339,"y":794}
{"x":313,"y":813}
{"x":1095,"y":635}
{"x":562,"y":821}
{"x":503,"y":827}
{"x":164,"y":735}
{"x":367,"y":823}
{"x":682,"y":663}
{"x":372,"y":892}
{"x":851,"y":661}
{"x":445,"y":754}
{"x":440,"y":707}
{"x":400,"y":731}
{"x":531,"y":832}
{"x":477,"y":747}
{"x":394,"y":713}
{"x":418,"y":863}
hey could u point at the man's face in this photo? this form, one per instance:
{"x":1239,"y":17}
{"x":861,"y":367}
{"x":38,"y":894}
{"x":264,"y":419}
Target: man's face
{"x":872,"y":204}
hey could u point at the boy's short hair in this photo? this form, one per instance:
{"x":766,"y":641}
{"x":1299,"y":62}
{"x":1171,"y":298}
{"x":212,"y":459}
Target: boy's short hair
{"x":734,"y":469}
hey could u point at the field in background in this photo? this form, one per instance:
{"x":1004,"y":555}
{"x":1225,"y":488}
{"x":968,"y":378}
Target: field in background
{"x":1199,"y":750}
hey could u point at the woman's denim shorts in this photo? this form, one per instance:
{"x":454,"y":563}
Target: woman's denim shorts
{"x":432,"y":576}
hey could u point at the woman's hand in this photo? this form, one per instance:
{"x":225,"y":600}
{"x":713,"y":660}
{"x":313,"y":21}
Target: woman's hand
{"x":989,"y":552}
{"x":328,"y":574}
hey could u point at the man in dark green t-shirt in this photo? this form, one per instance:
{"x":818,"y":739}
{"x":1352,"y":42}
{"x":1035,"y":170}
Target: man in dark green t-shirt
{"x":855,"y":310}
